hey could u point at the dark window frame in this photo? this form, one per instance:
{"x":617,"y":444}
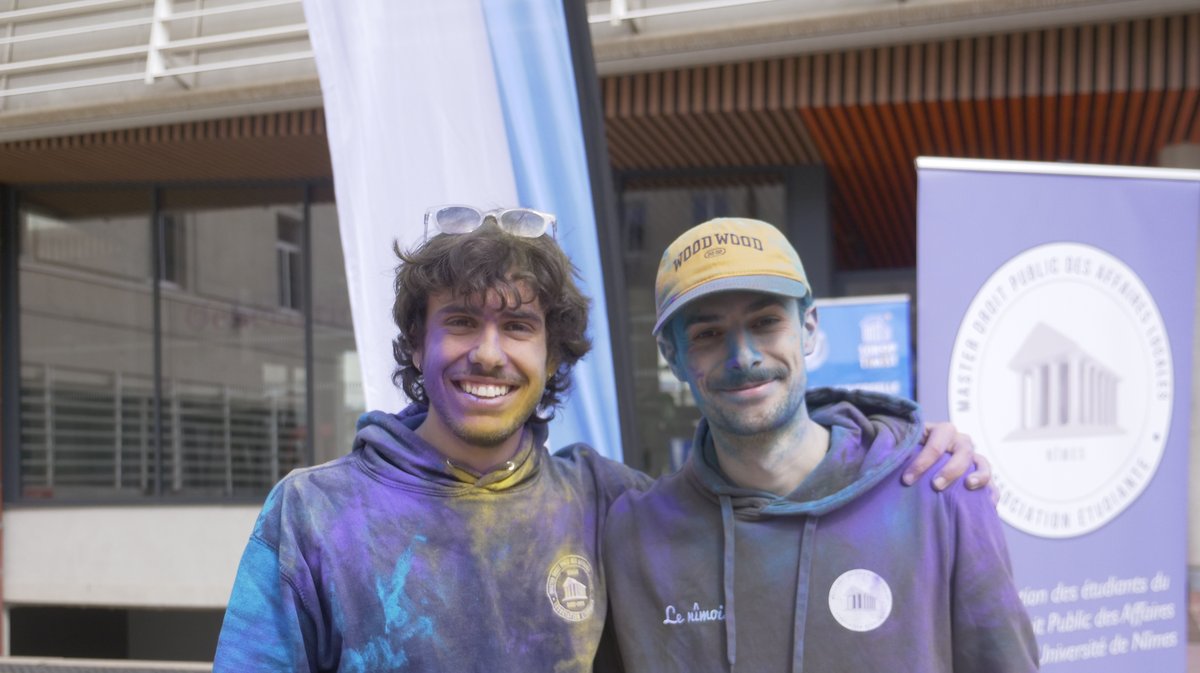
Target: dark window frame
{"x":289,"y":254}
{"x":794,"y":179}
{"x":10,"y":347}
{"x":172,"y":250}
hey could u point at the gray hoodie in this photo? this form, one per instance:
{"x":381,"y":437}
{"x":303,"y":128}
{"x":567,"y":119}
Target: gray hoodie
{"x":851,"y":572}
{"x":392,"y":559}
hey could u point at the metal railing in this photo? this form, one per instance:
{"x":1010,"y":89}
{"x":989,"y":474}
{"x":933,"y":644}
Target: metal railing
{"x":117,"y":49}
{"x":93,"y":43}
{"x":102,"y":44}
{"x":89,"y":434}
{"x":619,"y":10}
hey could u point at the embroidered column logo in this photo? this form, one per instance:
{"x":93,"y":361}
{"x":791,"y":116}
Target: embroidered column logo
{"x":1062,"y":364}
{"x":569,"y":587}
{"x":860,"y":600}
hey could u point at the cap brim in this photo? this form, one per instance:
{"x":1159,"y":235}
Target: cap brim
{"x":778,"y":285}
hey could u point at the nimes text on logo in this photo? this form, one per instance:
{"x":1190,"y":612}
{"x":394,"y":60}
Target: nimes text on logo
{"x":1062,"y":363}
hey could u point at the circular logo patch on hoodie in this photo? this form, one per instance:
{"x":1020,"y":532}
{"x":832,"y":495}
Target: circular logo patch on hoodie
{"x":860,"y":600}
{"x":569,"y":587}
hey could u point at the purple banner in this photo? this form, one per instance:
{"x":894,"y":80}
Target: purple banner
{"x":1055,"y":322}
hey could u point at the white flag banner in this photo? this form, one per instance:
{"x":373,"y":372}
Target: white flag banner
{"x":422,"y":108}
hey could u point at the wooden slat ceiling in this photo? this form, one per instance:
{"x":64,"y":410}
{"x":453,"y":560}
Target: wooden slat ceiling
{"x":1111,"y":93}
{"x":283,"y":145}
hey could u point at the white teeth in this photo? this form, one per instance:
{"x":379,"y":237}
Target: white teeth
{"x":485,"y":390}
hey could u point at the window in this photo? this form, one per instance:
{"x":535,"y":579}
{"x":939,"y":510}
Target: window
{"x":171,"y":250}
{"x":288,"y":261}
{"x":656,"y":209}
{"x":710,"y":203}
{"x":197,"y":386}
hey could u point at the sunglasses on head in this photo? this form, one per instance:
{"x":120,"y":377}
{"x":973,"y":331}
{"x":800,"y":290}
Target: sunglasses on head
{"x":523,"y":222}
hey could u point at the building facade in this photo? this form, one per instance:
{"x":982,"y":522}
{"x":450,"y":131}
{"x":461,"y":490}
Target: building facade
{"x":176,"y":330}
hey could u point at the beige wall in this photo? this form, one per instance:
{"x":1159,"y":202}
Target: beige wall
{"x":179,"y":557}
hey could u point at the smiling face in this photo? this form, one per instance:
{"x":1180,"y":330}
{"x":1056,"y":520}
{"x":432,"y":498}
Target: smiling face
{"x":742,"y":355}
{"x":485,"y":365}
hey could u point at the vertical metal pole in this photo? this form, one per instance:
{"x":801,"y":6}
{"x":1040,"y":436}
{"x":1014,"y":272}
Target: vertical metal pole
{"x":228,"y":423}
{"x":591,"y":118}
{"x":48,"y":420}
{"x":10,"y":344}
{"x":7,"y":635}
{"x":310,"y":385}
{"x":10,"y":375}
{"x":176,"y":439}
{"x":118,"y":434}
{"x":143,"y":446}
{"x":273,"y":431}
{"x":156,"y":273}
{"x":160,"y":37}
{"x":617,"y":9}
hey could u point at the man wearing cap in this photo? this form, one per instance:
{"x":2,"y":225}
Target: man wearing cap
{"x":787,"y":542}
{"x":449,"y":538}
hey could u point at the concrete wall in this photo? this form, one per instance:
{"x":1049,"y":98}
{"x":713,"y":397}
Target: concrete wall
{"x":179,"y":557}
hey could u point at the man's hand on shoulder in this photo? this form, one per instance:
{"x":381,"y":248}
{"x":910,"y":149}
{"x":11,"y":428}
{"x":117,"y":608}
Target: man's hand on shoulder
{"x":939,"y":439}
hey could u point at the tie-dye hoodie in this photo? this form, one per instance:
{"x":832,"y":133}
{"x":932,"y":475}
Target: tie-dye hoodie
{"x":852,"y":572}
{"x":392,"y":559}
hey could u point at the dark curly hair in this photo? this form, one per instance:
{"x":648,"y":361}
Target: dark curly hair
{"x":469,"y":265}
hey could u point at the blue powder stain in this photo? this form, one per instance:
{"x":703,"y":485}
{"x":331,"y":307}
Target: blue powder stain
{"x":251,"y":611}
{"x":400,"y":626}
{"x":375,"y":655}
{"x":394,"y":602}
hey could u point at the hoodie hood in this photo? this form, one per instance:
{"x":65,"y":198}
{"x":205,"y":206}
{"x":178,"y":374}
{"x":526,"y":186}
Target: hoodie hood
{"x":852,"y":571}
{"x":871,"y":436}
{"x":388,"y":447}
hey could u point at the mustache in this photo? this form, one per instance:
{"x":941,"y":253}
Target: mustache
{"x":734,"y":379}
{"x":497,"y":375}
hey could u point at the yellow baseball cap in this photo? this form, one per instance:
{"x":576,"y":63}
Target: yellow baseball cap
{"x":727,"y":253}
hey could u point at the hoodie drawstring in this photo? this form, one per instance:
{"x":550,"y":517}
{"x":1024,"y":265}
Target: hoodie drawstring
{"x":803,"y":577}
{"x":730,"y":622}
{"x":803,"y":582}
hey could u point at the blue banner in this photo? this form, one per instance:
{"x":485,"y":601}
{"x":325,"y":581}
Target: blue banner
{"x":863,"y":343}
{"x":532,"y":58}
{"x":1056,"y":329}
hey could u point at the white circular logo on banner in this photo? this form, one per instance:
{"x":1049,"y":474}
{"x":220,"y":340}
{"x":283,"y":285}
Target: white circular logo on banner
{"x":1062,"y":370}
{"x":860,"y":600}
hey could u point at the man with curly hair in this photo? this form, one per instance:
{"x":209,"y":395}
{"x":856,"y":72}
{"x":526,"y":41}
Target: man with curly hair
{"x":449,"y":539}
